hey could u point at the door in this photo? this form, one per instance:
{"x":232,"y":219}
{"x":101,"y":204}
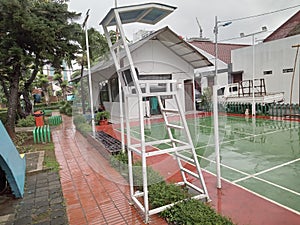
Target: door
{"x":189,"y":95}
{"x":237,"y":76}
{"x":154,"y":107}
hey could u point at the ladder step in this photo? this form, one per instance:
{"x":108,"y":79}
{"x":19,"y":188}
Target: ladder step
{"x":156,"y":94}
{"x":132,"y":148}
{"x":168,"y":150}
{"x":190,"y":172}
{"x":194,"y":187}
{"x":117,"y":44}
{"x":180,"y":142}
{"x":138,"y":194}
{"x":175,"y":111}
{"x":169,"y":125}
{"x":151,"y":143}
{"x":188,"y":159}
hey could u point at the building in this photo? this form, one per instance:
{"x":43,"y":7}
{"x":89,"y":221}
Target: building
{"x":162,"y":55}
{"x":274,"y":60}
{"x":205,"y":76}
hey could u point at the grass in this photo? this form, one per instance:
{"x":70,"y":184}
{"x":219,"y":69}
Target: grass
{"x":24,"y":144}
{"x":50,"y":159}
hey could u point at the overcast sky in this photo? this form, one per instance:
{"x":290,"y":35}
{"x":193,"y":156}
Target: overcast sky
{"x":183,"y":19}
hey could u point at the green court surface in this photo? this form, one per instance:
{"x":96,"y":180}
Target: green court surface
{"x":260,"y":155}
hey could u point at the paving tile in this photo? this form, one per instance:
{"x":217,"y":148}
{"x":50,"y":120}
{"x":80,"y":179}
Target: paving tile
{"x":94,"y":192}
{"x":95,"y":216}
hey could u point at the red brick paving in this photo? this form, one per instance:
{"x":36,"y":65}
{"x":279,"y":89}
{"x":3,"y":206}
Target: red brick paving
{"x":94,"y":192}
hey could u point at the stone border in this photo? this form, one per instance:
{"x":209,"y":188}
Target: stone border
{"x":39,"y":164}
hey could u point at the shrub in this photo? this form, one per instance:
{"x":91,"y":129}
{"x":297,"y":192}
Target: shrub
{"x":3,"y":115}
{"x":162,"y":193}
{"x":51,"y":106}
{"x":120,"y":162}
{"x":120,"y":157}
{"x":69,"y":111}
{"x":188,"y":211}
{"x":20,"y":142}
{"x":84,"y":128}
{"x":29,"y":121}
{"x":78,"y":119}
{"x":66,"y":108}
{"x":152,"y":176}
{"x":193,"y":211}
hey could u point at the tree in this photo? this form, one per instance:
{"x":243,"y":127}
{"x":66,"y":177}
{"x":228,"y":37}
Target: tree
{"x":62,"y":83}
{"x":98,"y":48}
{"x":42,"y":81}
{"x":33,"y":33}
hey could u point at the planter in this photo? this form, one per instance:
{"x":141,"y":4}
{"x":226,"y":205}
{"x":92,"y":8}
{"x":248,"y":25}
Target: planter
{"x":103,"y":122}
{"x":102,"y":117}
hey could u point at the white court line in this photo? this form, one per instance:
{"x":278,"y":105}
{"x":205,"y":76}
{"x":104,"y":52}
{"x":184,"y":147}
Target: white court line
{"x":246,"y":133}
{"x":239,"y":139}
{"x":268,"y":170}
{"x":224,"y":142}
{"x":248,"y":175}
{"x":277,"y":185}
{"x":213,"y":161}
{"x":255,"y":193}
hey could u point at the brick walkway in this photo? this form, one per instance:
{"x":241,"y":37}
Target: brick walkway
{"x":94,"y":192}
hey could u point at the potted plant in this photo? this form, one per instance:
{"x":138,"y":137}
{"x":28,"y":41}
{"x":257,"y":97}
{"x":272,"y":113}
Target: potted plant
{"x":102,"y":117}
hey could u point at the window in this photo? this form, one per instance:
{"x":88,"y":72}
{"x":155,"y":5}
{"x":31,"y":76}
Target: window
{"x":289,"y":70}
{"x":155,"y":77}
{"x":114,"y":84}
{"x":127,"y":78}
{"x":104,"y":97}
{"x":233,"y":89}
{"x":156,"y":87}
{"x":267,"y":72}
{"x":221,"y":91}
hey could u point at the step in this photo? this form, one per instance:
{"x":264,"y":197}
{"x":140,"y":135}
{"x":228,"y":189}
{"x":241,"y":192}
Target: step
{"x":183,"y":157}
{"x":190,"y":172}
{"x":169,"y":125}
{"x":175,"y":111}
{"x":117,"y":44}
{"x":168,"y":150}
{"x":195,"y":188}
{"x":180,"y":142}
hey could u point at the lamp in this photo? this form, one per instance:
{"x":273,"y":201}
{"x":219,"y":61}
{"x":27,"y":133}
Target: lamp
{"x":89,"y":69}
{"x":242,"y":35}
{"x":215,"y":101}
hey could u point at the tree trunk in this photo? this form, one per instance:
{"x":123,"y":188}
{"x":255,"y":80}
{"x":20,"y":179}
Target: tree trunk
{"x":20,"y":111}
{"x":27,"y":91}
{"x":46,"y":95}
{"x":13,"y":103}
{"x":28,"y":104}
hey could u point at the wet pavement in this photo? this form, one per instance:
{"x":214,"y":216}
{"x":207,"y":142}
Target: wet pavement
{"x":88,"y":190}
{"x":43,"y":201}
{"x":239,"y":204}
{"x":95,"y":193}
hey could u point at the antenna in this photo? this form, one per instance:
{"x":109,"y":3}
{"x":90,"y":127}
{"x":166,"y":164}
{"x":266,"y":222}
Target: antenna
{"x":200,"y":29}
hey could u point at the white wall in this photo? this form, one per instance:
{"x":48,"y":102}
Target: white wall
{"x":155,"y":58}
{"x":222,"y":78}
{"x":275,"y":56}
